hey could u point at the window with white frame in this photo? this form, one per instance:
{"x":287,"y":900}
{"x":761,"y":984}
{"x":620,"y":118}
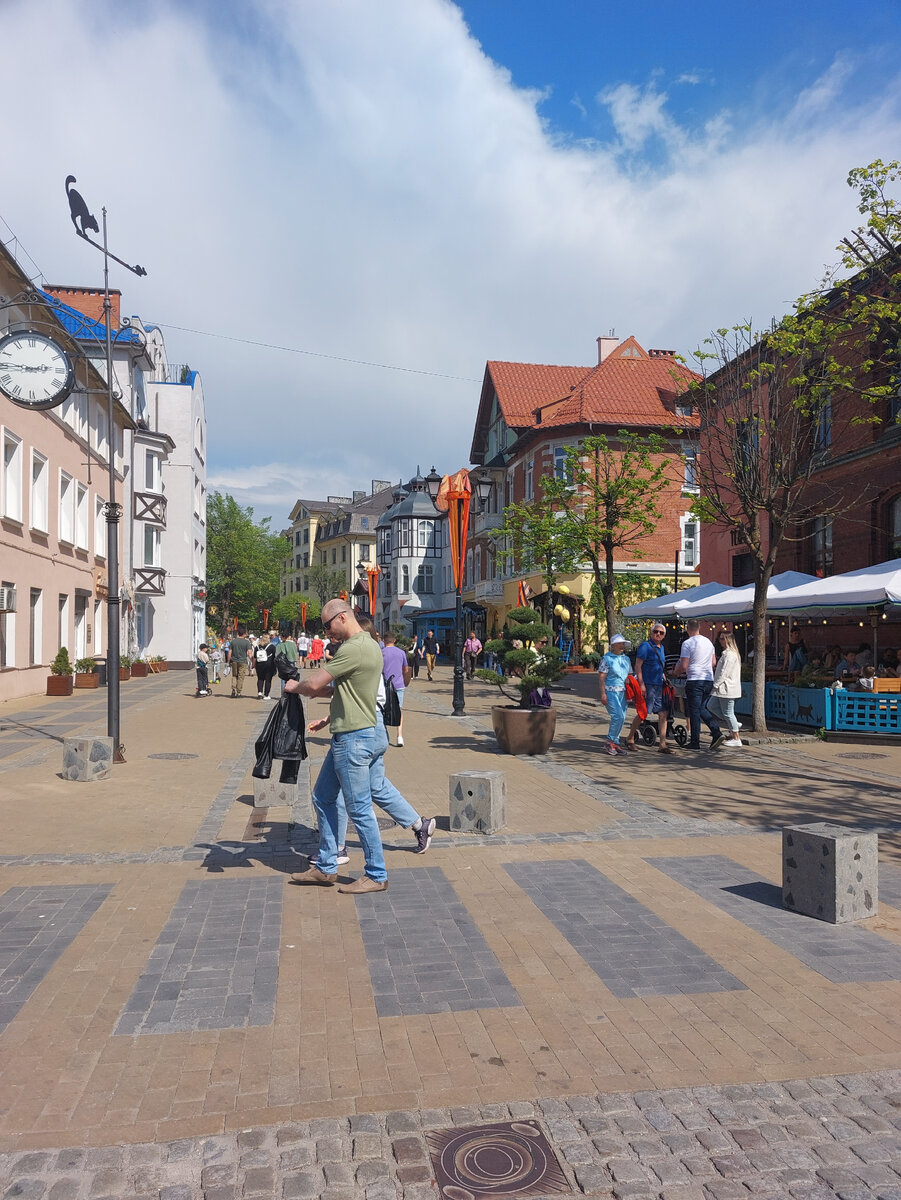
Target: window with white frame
{"x":35,"y":627}
{"x":691,"y":547}
{"x":529,"y":490}
{"x":39,"y":501}
{"x":7,"y":634}
{"x":425,"y":580}
{"x":82,"y":516}
{"x":66,"y":508}
{"x":100,"y":437}
{"x":690,"y":478}
{"x":404,"y":580}
{"x":81,"y":416}
{"x":152,"y":471}
{"x":196,"y":496}
{"x":11,"y":483}
{"x":562,"y":467}
{"x":63,"y":624}
{"x":151,"y":546}
{"x":99,"y":528}
{"x":98,"y":626}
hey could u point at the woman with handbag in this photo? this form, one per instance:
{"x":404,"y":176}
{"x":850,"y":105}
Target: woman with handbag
{"x":396,"y":671}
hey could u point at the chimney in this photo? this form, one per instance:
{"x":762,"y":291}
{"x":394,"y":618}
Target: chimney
{"x":89,"y":301}
{"x":380,"y":485}
{"x":358,"y":496}
{"x":606,"y":345}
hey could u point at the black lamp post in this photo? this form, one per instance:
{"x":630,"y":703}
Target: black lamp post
{"x":82,"y":218}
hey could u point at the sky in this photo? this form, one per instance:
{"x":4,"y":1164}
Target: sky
{"x":346,"y":208}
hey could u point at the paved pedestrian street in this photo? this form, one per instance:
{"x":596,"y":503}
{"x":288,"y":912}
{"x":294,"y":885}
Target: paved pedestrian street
{"x":604,"y":998}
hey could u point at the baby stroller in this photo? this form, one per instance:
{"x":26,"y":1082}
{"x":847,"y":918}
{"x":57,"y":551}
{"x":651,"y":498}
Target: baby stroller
{"x":647,"y":730}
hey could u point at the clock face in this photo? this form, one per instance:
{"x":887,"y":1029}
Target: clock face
{"x":35,"y":371}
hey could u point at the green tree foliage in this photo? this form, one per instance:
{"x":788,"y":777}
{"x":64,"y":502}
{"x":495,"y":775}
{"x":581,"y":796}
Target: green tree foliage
{"x":326,"y":583}
{"x":289,"y":608}
{"x":605,"y":499}
{"x":771,"y":403}
{"x":244,"y":561}
{"x":526,"y":655}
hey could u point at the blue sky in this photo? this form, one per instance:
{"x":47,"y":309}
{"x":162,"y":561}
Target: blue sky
{"x":426,"y":186}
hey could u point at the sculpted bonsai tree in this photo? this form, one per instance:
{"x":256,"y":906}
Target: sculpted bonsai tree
{"x":528,"y":659}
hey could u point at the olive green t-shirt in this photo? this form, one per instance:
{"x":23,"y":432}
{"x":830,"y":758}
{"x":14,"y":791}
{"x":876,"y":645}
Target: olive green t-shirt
{"x":240,"y":650}
{"x":356,"y":670}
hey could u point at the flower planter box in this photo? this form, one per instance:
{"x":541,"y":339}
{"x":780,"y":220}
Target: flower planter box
{"x":59,"y":685}
{"x":524,"y":730}
{"x":124,"y":673}
{"x":87,"y":679}
{"x":139,"y":670}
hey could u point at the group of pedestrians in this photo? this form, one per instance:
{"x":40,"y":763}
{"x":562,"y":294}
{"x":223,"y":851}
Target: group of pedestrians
{"x":712,"y":685}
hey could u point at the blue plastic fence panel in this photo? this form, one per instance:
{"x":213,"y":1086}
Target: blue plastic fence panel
{"x":775,"y":703}
{"x":863,"y":713}
{"x":809,"y":706}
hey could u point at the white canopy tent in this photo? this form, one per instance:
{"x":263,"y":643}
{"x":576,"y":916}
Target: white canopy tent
{"x":736,"y":604}
{"x":868,"y":588}
{"x":665,"y":606}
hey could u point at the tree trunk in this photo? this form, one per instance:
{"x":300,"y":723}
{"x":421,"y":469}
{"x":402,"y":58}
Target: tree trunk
{"x":758,"y":623}
{"x":609,"y":593}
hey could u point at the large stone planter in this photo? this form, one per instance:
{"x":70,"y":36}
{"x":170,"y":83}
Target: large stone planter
{"x":524,"y":730}
{"x":59,"y":685}
{"x":89,"y":679}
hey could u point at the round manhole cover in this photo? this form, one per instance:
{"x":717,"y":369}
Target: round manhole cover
{"x":385,"y":823}
{"x":173,"y":756}
{"x":860,"y":754}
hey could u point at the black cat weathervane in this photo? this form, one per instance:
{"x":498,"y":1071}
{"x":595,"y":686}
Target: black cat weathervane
{"x":83,"y":220}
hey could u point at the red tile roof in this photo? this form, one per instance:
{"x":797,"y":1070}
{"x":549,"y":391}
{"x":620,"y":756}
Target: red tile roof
{"x":630,"y":387}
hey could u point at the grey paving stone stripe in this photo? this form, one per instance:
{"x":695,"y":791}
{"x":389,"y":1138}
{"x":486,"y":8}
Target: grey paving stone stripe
{"x":840,"y":953}
{"x":36,"y":925}
{"x":807,"y":1139}
{"x":629,"y":947}
{"x":425,"y":952}
{"x":890,"y":884}
{"x":215,"y":965}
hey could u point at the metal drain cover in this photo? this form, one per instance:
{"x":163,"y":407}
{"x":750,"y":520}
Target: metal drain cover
{"x":860,"y":754}
{"x":173,"y":756}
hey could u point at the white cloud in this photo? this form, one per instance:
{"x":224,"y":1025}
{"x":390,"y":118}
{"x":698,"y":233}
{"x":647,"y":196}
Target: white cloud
{"x":360,"y":180}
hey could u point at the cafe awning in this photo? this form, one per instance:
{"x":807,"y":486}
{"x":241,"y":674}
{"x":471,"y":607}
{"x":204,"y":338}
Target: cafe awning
{"x":876,"y":587}
{"x":736,"y":604}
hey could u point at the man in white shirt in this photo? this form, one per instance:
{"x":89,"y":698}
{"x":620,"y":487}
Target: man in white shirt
{"x":697,"y":661}
{"x":303,"y":647}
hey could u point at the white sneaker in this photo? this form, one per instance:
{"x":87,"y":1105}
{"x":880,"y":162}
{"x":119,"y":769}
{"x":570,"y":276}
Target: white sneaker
{"x":400,"y":741}
{"x":734,"y":742}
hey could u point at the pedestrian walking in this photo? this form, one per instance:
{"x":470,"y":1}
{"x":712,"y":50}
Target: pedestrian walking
{"x":398,"y":671}
{"x":414,"y":656}
{"x":317,"y":647}
{"x":472,"y":648}
{"x":287,"y":649}
{"x":431,"y":650}
{"x":727,"y":687}
{"x":215,"y":663}
{"x":650,"y":672}
{"x":351,"y":679}
{"x":697,"y":660}
{"x":613,"y":670}
{"x":203,"y":661}
{"x":264,"y":661}
{"x":239,"y":660}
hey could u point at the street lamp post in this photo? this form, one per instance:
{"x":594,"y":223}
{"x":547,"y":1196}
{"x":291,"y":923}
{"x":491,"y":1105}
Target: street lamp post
{"x":82,"y":218}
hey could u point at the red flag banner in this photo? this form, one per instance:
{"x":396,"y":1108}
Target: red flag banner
{"x":303,"y":616}
{"x":521,"y":595}
{"x":373,"y":573}
{"x":265,"y":619}
{"x":454,"y":498}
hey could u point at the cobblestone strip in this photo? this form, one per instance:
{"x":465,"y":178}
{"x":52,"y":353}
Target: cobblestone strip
{"x":840,"y":953}
{"x":890,"y":884}
{"x":425,"y":952}
{"x":36,"y":925}
{"x":809,"y":1139}
{"x":215,"y":965}
{"x":629,"y":947}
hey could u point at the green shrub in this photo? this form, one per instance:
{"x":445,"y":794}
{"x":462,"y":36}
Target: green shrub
{"x":61,"y":664}
{"x":86,"y":666}
{"x":525,"y":667}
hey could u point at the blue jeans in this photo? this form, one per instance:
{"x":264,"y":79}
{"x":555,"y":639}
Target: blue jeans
{"x":347,"y":770}
{"x":724,"y":708}
{"x":616,"y":707}
{"x":696,"y":693}
{"x":384,"y":793}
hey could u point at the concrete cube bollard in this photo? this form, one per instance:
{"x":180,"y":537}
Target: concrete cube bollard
{"x":86,"y":759}
{"x":830,"y":872}
{"x":279,"y":790}
{"x":478,"y":801}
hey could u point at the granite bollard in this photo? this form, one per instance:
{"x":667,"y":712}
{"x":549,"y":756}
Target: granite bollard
{"x":86,"y":759}
{"x":280,"y":789}
{"x":830,"y":872}
{"x":478,"y":801}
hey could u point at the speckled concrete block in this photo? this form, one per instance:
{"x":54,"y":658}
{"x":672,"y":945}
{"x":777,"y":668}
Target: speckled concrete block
{"x":478,"y":801}
{"x":830,"y":872}
{"x":279,"y":790}
{"x":86,"y":759}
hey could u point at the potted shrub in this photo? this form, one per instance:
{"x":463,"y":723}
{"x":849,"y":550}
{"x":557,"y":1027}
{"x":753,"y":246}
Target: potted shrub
{"x":124,"y":667}
{"x":139,"y":669}
{"x":59,"y":681}
{"x":86,"y":673}
{"x":530,"y":663}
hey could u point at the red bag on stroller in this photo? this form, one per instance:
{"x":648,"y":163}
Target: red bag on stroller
{"x":634,"y":696}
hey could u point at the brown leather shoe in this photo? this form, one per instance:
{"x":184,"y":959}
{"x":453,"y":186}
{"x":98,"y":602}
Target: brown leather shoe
{"x":314,"y":875}
{"x":359,"y":887}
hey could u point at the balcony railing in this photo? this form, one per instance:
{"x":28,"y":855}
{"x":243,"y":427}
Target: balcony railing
{"x":150,"y":581}
{"x":485,"y":522}
{"x":488,"y":588}
{"x":151,"y":508}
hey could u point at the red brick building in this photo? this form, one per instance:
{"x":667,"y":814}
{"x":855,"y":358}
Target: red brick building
{"x":530,"y":413}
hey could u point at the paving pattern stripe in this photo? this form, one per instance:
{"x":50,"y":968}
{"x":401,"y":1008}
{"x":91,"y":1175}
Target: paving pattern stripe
{"x":215,"y":964}
{"x":840,"y":953}
{"x":36,"y":925}
{"x":425,"y":952}
{"x":890,"y":884}
{"x":632,"y":950}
